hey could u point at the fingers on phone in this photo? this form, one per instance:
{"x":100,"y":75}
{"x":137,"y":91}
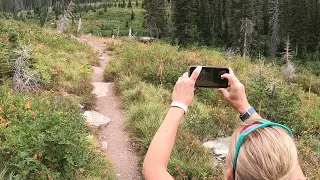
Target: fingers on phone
{"x":224,"y":92}
{"x":185,"y":75}
{"x":194,"y":76}
{"x":230,"y":71}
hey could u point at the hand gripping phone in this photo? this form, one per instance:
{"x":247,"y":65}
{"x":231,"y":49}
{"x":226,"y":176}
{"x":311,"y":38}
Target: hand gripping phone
{"x":210,"y":77}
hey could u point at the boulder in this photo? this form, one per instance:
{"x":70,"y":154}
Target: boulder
{"x":146,"y":39}
{"x":95,"y":119}
{"x":219,"y":147}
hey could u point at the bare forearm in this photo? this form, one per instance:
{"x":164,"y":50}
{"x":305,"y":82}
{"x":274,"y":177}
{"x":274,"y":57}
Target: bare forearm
{"x":161,"y":146}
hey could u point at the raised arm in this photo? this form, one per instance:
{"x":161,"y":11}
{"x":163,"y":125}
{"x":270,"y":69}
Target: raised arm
{"x":157,"y":158}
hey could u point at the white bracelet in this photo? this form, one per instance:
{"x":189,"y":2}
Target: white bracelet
{"x":180,"y":105}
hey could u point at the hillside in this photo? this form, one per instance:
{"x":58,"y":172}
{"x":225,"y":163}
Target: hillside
{"x":42,"y":134}
{"x":101,"y":19}
{"x":145,"y":75}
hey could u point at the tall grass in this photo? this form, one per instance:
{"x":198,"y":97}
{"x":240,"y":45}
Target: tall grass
{"x":145,"y":76}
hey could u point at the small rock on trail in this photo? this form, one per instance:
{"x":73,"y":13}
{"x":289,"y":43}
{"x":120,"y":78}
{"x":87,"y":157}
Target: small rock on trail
{"x":100,"y":89}
{"x":95,"y":119}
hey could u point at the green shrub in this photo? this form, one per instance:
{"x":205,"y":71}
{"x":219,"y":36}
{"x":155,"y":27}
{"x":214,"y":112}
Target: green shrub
{"x":308,"y":81}
{"x":13,"y":37}
{"x":62,"y":62}
{"x":43,"y":136}
{"x":5,"y":68}
{"x":274,"y":103}
{"x":313,"y":67}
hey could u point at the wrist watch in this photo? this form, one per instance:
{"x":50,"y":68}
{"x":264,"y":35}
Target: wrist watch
{"x":247,"y":114}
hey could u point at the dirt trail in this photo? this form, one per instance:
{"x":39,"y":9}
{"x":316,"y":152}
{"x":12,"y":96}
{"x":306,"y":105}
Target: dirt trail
{"x":119,"y":146}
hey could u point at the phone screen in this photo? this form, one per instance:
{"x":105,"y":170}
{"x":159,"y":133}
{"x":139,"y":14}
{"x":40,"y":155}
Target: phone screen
{"x":210,"y":77}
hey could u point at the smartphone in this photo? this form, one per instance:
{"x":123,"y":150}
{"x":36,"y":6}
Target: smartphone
{"x":210,"y":77}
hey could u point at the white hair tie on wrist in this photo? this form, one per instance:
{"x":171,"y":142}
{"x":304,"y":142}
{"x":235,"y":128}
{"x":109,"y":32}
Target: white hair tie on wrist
{"x":180,"y":105}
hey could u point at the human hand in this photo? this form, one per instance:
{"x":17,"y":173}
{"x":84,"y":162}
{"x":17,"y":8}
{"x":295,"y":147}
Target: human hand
{"x":236,"y":97}
{"x":184,"y":89}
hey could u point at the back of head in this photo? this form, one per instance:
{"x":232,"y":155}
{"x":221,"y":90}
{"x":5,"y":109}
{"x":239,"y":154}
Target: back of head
{"x":267,"y":153}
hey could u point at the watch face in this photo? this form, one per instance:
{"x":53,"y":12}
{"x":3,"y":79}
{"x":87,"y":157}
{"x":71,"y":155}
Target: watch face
{"x":247,"y":114}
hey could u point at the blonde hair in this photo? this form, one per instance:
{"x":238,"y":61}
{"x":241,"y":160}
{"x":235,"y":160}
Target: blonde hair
{"x":267,"y":153}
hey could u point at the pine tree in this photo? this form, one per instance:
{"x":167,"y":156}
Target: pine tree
{"x":132,"y":15}
{"x":226,"y":16}
{"x":129,"y":4}
{"x":241,"y":19}
{"x":184,"y":13}
{"x":156,"y":19}
{"x":123,"y":4}
{"x":216,"y":17}
{"x":204,"y":24}
{"x":275,"y":26}
{"x":137,"y":3}
{"x":43,"y":15}
{"x":298,"y":26}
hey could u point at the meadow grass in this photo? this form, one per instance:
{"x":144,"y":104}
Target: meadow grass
{"x":107,"y":23}
{"x":145,"y":75}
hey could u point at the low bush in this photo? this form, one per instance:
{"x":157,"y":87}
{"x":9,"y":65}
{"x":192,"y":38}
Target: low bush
{"x":145,"y":75}
{"x":43,"y":136}
{"x":308,"y":82}
{"x":63,"y":63}
{"x":5,"y":68}
{"x":313,"y":67}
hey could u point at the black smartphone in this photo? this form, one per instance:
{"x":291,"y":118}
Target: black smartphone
{"x":210,"y":77}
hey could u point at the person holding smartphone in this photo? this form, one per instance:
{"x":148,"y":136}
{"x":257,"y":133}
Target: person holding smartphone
{"x":259,"y":149}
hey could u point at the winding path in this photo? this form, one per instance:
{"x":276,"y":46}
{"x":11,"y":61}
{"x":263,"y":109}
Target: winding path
{"x":114,"y":139}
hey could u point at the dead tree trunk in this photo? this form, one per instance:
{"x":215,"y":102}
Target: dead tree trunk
{"x":246,"y":32}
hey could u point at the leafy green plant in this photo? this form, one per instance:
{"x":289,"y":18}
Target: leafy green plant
{"x":43,"y":137}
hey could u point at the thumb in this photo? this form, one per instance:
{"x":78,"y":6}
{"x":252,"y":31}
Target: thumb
{"x":224,"y":92}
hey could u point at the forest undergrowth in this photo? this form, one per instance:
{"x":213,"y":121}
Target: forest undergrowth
{"x":145,"y":75}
